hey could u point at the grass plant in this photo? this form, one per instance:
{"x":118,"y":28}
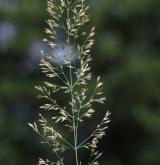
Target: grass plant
{"x":69,"y":79}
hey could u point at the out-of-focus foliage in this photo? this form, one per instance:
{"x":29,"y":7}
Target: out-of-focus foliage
{"x":126,"y":54}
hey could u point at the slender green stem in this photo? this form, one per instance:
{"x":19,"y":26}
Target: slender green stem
{"x":73,"y":111}
{"x":72,"y":98}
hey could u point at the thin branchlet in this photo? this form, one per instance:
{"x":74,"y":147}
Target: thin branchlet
{"x":71,"y":81}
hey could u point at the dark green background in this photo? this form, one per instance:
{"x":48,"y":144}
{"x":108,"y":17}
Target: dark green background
{"x":126,"y":55}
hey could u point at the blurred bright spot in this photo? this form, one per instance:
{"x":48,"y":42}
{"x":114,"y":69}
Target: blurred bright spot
{"x":7,"y":34}
{"x":62,"y":54}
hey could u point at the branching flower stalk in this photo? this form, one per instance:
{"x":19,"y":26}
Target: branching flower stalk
{"x":69,"y":78}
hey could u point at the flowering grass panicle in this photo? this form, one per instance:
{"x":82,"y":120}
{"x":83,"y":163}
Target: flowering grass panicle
{"x":69,"y":78}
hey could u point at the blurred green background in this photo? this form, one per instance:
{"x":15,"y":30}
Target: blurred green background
{"x":126,"y":55}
